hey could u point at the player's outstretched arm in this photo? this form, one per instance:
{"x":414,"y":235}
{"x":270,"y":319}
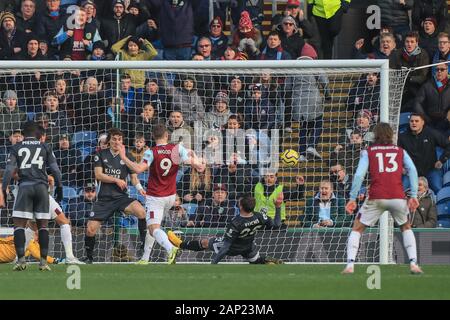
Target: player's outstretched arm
{"x":136,"y":167}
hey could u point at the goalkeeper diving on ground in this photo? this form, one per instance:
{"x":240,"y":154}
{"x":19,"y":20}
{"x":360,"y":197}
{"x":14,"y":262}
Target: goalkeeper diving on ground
{"x":239,"y":235}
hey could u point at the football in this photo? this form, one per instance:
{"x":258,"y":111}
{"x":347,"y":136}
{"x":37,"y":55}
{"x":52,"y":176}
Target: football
{"x":289,"y":157}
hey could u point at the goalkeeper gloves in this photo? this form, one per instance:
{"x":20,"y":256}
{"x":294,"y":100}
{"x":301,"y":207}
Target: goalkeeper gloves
{"x":59,"y":194}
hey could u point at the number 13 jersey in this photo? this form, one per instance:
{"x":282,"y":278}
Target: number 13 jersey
{"x":163,"y":162}
{"x":386,"y":170}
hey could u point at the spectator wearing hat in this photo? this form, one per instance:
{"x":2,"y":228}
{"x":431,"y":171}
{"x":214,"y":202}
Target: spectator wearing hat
{"x":443,"y":51}
{"x":423,"y":9}
{"x":176,"y":26}
{"x":216,"y":212}
{"x":433,"y":99}
{"x":269,"y":193}
{"x":428,"y":35}
{"x":307,"y":27}
{"x":235,"y":7}
{"x":32,"y":84}
{"x":32,"y":52}
{"x":68,"y":159}
{"x":273,"y":49}
{"x":11,"y":117}
{"x":328,"y":15}
{"x":218,"y":118}
{"x":187,"y":100}
{"x":26,"y":19}
{"x":132,"y":48}
{"x":291,"y":40}
{"x":246,"y":37}
{"x":119,"y":26}
{"x":76,"y":41}
{"x":91,"y":13}
{"x":394,"y":14}
{"x":410,"y":56}
{"x":99,"y":52}
{"x":259,"y":112}
{"x":364,"y":123}
{"x":11,"y":39}
{"x":50,"y":23}
{"x":219,"y":40}
{"x":79,"y":209}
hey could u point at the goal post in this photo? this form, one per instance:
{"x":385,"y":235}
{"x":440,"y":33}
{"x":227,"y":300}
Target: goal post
{"x":301,"y":93}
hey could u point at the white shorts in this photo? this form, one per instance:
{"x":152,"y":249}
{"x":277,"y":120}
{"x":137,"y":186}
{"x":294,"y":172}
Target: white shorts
{"x":372,"y":210}
{"x":54,"y":209}
{"x":155,"y":207}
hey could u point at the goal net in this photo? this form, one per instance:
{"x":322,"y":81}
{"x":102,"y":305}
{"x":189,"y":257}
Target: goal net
{"x":239,"y":117}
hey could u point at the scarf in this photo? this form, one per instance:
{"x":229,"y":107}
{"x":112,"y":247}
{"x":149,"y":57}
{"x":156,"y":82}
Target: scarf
{"x":410,"y":57}
{"x":279,"y":53}
{"x":440,"y":84}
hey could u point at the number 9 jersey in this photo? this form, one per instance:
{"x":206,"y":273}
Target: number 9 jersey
{"x":163,"y":162}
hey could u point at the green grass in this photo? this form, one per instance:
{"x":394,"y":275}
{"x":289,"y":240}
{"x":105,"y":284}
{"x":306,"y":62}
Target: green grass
{"x":224,"y":282}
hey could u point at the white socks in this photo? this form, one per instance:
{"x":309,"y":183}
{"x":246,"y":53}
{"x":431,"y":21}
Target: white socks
{"x":409,"y":242}
{"x":162,"y":239}
{"x":66,"y":238}
{"x":29,"y":235}
{"x":148,"y":246}
{"x":352,"y":247}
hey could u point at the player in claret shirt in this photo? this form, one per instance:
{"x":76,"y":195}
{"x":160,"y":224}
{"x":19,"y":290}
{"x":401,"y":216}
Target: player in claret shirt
{"x":162,"y":161}
{"x":385,"y":163}
{"x":239,"y":236}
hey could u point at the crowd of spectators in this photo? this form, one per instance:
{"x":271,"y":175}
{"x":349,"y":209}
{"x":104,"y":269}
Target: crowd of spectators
{"x":67,"y":103}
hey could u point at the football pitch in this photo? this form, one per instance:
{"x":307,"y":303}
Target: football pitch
{"x":199,"y":282}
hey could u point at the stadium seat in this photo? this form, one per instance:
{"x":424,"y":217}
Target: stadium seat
{"x":30,"y":116}
{"x":443,"y":195}
{"x":143,"y":178}
{"x":404,"y":121}
{"x":444,"y":223}
{"x":446,"y":179}
{"x":85,"y":151}
{"x":190,"y":208}
{"x":135,"y":194}
{"x":69,"y":193}
{"x":84,"y":138}
{"x":443,"y":208}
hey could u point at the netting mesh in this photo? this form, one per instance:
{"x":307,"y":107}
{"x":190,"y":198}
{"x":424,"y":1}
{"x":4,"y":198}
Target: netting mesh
{"x":240,"y":121}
